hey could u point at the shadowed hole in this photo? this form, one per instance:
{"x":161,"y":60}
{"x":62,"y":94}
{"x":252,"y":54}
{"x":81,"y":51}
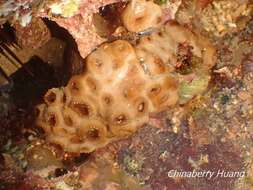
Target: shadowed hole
{"x":74,"y":86}
{"x":164,"y":98}
{"x":120,"y":119}
{"x":107,"y":99}
{"x":68,"y":120}
{"x":81,"y":109}
{"x":149,"y":38}
{"x":155,"y":90}
{"x":37,"y":112}
{"x":64,"y":98}
{"x":92,"y":84}
{"x":93,"y":134}
{"x":76,"y":139}
{"x":52,"y":120}
{"x":141,"y":107}
{"x":159,"y":63}
{"x":51,"y":97}
{"x":159,"y":19}
{"x":139,"y":19}
{"x":160,"y":34}
{"x":98,"y":63}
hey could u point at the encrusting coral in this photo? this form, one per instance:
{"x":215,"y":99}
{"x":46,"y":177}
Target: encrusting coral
{"x":121,"y":86}
{"x":141,"y":14}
